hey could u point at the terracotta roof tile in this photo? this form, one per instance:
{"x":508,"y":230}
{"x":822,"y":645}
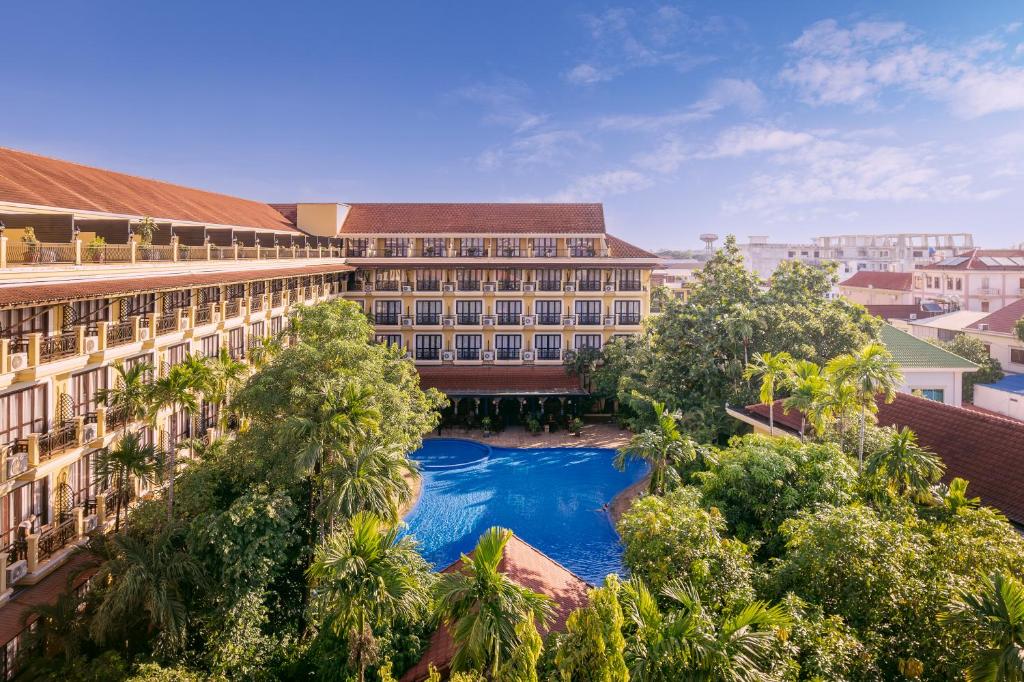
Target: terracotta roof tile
{"x":42,"y":181}
{"x":974,"y":259}
{"x":43,"y":292}
{"x":896,"y":311}
{"x":14,"y":611}
{"x":1002,"y":320}
{"x":623,"y":249}
{"x":379,"y":219}
{"x":499,"y":380}
{"x":530,"y":568}
{"x":896,"y":281}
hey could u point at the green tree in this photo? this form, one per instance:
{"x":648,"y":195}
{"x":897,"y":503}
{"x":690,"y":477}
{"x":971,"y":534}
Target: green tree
{"x":226,"y":376}
{"x":996,"y":612}
{"x":374,"y":478}
{"x":663,"y":447}
{"x":178,"y":389}
{"x":364,"y":576}
{"x":127,"y":461}
{"x":807,"y":390}
{"x":904,"y":467}
{"x":873,"y":373}
{"x":1018,"y":328}
{"x":974,"y":349}
{"x":592,"y":649}
{"x":772,"y":369}
{"x":130,"y":394}
{"x":483,"y":607}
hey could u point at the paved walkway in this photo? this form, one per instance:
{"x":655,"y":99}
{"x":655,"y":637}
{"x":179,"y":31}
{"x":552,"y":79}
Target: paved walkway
{"x":593,"y":435}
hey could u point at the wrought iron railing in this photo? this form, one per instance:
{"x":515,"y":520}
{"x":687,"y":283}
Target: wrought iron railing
{"x":120,"y":334}
{"x":549,"y":318}
{"x":510,"y":318}
{"x":428,"y":318}
{"x":629,"y":285}
{"x":508,"y":353}
{"x":51,"y":541}
{"x":469,"y":318}
{"x":428,"y":285}
{"x":168,"y":323}
{"x":588,"y":318}
{"x":588,"y":285}
{"x":629,"y":318}
{"x":549,"y":353}
{"x":549,"y":285}
{"x":204,"y":314}
{"x":57,"y":347}
{"x":116,"y":416}
{"x":275,"y":299}
{"x":233,"y":307}
{"x":256,"y":304}
{"x":386,"y":285}
{"x":58,"y":439}
{"x":428,"y":353}
{"x":509,"y":285}
{"x":468,"y":353}
{"x":469,"y":285}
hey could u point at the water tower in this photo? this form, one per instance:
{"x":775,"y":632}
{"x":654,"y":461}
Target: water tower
{"x":709,"y":239}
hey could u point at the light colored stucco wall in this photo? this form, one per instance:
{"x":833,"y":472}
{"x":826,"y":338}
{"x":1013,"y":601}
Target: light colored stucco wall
{"x":950,"y":381}
{"x":1003,"y":402}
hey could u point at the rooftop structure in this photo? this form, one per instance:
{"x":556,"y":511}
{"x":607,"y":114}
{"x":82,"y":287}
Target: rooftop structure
{"x":928,"y":370}
{"x":982,"y":280}
{"x":998,"y":331}
{"x":1005,"y":397}
{"x":869,"y":287}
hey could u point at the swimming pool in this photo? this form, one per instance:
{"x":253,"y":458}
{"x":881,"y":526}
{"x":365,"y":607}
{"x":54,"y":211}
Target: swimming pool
{"x":550,"y":497}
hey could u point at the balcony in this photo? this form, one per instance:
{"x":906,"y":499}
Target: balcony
{"x":14,"y":463}
{"x":510,"y":319}
{"x":203,"y":314}
{"x":469,"y":285}
{"x":276,"y":299}
{"x":165,"y":324}
{"x":588,"y":318}
{"x":628,"y":318}
{"x":549,"y":353}
{"x":395,"y":252}
{"x":507,"y":353}
{"x":473,"y":252}
{"x":588,"y":285}
{"x":428,"y":353}
{"x":545,"y":285}
{"x":385,"y":319}
{"x":469,"y":318}
{"x":57,"y":537}
{"x":510,"y":286}
{"x":120,"y":334}
{"x":507,"y":252}
{"x":428,"y":285}
{"x":382,"y":285}
{"x":232,"y":308}
{"x":630,"y":285}
{"x":468,"y":353}
{"x":582,"y":252}
{"x":116,"y":417}
{"x":47,"y":444}
{"x":428,"y":318}
{"x":549,"y":318}
{"x":58,"y":347}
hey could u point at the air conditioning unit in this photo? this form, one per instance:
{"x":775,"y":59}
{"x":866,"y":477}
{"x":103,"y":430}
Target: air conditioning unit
{"x":913,"y":316}
{"x":488,"y":356}
{"x":529,"y":287}
{"x":406,"y":321}
{"x":17,"y":361}
{"x":16,"y":464}
{"x":609,"y":288}
{"x":448,"y":321}
{"x":17,"y":571}
{"x":406,"y":288}
{"x":609,"y":321}
{"x":88,"y":432}
{"x":408,"y":355}
{"x":529,"y":320}
{"x":570,"y":288}
{"x":447,"y":356}
{"x":569,"y":321}
{"x":367,"y":287}
{"x":488,"y":320}
{"x":527,"y":356}
{"x":983,"y":327}
{"x":448,"y":288}
{"x":92,"y":344}
{"x":489,"y":288}
{"x":143,"y":333}
{"x":91,"y":523}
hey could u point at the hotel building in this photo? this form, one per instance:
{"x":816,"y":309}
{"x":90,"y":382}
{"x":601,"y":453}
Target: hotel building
{"x":100,"y":269}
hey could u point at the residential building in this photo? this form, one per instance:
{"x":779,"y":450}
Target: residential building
{"x":762,"y":257}
{"x":928,"y":371}
{"x":869,"y":287}
{"x":998,"y":332}
{"x":677,"y":275}
{"x":981,"y":280}
{"x":980,"y":447}
{"x":944,"y":327}
{"x":1005,"y":397}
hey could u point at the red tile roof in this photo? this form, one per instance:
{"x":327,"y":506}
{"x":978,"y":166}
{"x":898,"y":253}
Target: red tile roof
{"x":896,"y":281}
{"x":42,"y":181}
{"x":898,"y":311}
{"x":530,"y":568}
{"x":43,"y":292}
{"x":499,"y":380}
{"x":984,"y":448}
{"x":1002,"y":320}
{"x":14,"y":611}
{"x":623,"y":249}
{"x":973,"y":260}
{"x":378,"y":219}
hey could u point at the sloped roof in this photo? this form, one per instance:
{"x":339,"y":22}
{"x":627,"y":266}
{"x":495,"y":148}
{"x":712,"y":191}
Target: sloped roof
{"x":954,"y":321}
{"x":1011,"y":383}
{"x":377,"y":219}
{"x":42,"y":181}
{"x":623,"y":249}
{"x":1003,"y":320}
{"x":981,"y":259}
{"x":898,"y":281}
{"x":530,"y":568}
{"x":498,"y":380}
{"x":898,"y":311}
{"x":911,"y":352}
{"x":19,"y":608}
{"x":984,"y":448}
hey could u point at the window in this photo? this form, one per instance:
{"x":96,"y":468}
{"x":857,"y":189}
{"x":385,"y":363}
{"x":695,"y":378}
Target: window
{"x":467,"y":346}
{"x":1017,"y":356}
{"x":548,"y":346}
{"x":947,"y":334}
{"x":468,"y":280}
{"x":471,"y":247}
{"x":277,"y":325}
{"x":90,"y":312}
{"x":588,"y":280}
{"x":509,"y":312}
{"x":83,"y":390}
{"x":629,"y":280}
{"x":396,"y":247}
{"x":588,"y":312}
{"x":627,"y":312}
{"x":508,"y":247}
{"x":357,"y":248}
{"x":209,"y":346}
{"x":176,"y":354}
{"x":508,"y":346}
{"x":428,"y":346}
{"x":429,"y":280}
{"x":581,"y":247}
{"x":588,"y":341}
{"x":548,"y":312}
{"x":21,"y":321}
{"x":434,"y":246}
{"x":236,"y":343}
{"x":549,"y":280}
{"x":145,"y":358}
{"x":140,"y":304}
{"x":21,"y":413}
{"x":209,"y":295}
{"x":20,"y":505}
{"x":388,"y":280}
{"x":936,"y":394}
{"x":984,"y":306}
{"x":386,"y":312}
{"x":428,"y":312}
{"x":959,"y":284}
{"x":468,"y":312}
{"x":389,"y":339}
{"x":81,"y":479}
{"x":545,"y":247}
{"x":178,"y":428}
{"x":257,"y":330}
{"x":510,"y":280}
{"x":175,"y":300}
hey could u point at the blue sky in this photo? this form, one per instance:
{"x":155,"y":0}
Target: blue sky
{"x":786,"y":119}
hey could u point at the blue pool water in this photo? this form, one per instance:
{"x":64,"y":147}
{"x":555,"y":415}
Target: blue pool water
{"x":550,"y":497}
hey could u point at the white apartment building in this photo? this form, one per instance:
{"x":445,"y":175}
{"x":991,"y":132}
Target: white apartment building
{"x":982,"y":280}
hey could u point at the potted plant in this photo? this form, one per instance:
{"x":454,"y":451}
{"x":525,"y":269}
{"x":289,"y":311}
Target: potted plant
{"x":182,"y":252}
{"x":146,"y":229}
{"x":31,"y":245}
{"x":94,"y":251}
{"x":575,"y":426}
{"x":486,"y":423}
{"x":532,"y":424}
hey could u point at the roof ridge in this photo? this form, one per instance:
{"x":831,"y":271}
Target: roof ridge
{"x":557,"y":563}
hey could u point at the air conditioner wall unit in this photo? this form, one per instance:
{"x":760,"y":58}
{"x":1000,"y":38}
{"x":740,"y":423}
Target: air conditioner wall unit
{"x":406,"y":288}
{"x":447,"y":356}
{"x":609,"y":288}
{"x":88,"y":432}
{"x":527,"y":356}
{"x":17,"y":361}
{"x":406,"y":321}
{"x":488,"y":321}
{"x":529,"y":320}
{"x":488,"y":355}
{"x":91,"y":523}
{"x":570,"y":288}
{"x":529,"y":287}
{"x":489,"y":288}
{"x":367,"y":287}
{"x":17,"y":571}
{"x":448,"y":288}
{"x":92,"y":344}
{"x":569,"y":322}
{"x":609,"y":321}
{"x":143,"y":333}
{"x":448,"y":322}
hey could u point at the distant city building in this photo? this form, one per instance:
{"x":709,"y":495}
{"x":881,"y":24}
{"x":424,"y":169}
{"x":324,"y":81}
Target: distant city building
{"x":996,"y":331}
{"x":983,"y":280}
{"x":676,"y":274}
{"x":878,"y":288}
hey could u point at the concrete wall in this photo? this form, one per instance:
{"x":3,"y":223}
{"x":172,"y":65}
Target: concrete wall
{"x":950,"y":381}
{"x":1003,"y":402}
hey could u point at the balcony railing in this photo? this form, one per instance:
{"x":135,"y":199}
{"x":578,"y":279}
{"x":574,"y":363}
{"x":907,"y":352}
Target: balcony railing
{"x":509,"y":285}
{"x":549,"y":353}
{"x":168,"y":323}
{"x":472,"y":252}
{"x":385,"y":319}
{"x":469,"y":318}
{"x":276,"y":299}
{"x":428,"y":285}
{"x":469,"y":285}
{"x":386,"y":285}
{"x":549,"y":318}
{"x":629,"y":285}
{"x":57,"y":347}
{"x":55,"y":539}
{"x":510,"y":318}
{"x":428,"y":353}
{"x":204,"y":314}
{"x":428,"y":318}
{"x":256,"y":304}
{"x":468,"y":353}
{"x":233,"y":307}
{"x":508,"y":353}
{"x":507,"y":252}
{"x":120,"y":334}
{"x":51,"y":442}
{"x":588,"y":285}
{"x":116,"y":416}
{"x":588,"y":318}
{"x":546,"y":285}
{"x":628,"y":318}
{"x":40,"y":253}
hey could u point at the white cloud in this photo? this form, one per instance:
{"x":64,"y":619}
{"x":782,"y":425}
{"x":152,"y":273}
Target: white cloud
{"x":836,"y":65}
{"x":723,"y":93}
{"x":536,"y":148}
{"x":666,"y":158}
{"x":503,"y":102}
{"x":753,"y":139}
{"x":586,"y":74}
{"x":598,"y":186}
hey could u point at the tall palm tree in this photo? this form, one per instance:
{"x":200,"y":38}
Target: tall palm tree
{"x":364,"y":576}
{"x":872,"y":372}
{"x":663,"y":447}
{"x":372,"y":479}
{"x":996,"y":614}
{"x":905,"y":467}
{"x":147,"y":578}
{"x":265,"y":351}
{"x":838,"y":400}
{"x":740,"y":327}
{"x":130,"y":393}
{"x":178,"y":390}
{"x":128,"y":460}
{"x":807,"y":387}
{"x":225,"y":378}
{"x":483,"y":607}
{"x":772,"y":368}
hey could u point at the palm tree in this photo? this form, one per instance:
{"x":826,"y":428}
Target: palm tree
{"x":871,"y":371}
{"x":740,"y":328}
{"x":130,"y":394}
{"x":127,"y":461}
{"x":179,"y":390}
{"x":838,"y":400}
{"x":996,"y":614}
{"x":662,"y":447}
{"x":149,"y":578}
{"x":772,"y":368}
{"x":955,"y":497}
{"x":58,"y":624}
{"x":482,"y":607}
{"x":364,"y":576}
{"x":266,"y":350}
{"x":904,"y":466}
{"x":807,"y":386}
{"x":372,"y":479}
{"x":225,"y":378}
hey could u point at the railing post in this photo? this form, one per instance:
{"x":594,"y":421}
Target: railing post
{"x":277,"y":251}
{"x":34,"y":339}
{"x":133,"y":251}
{"x":101,"y":421}
{"x":80,"y":329}
{"x":174,"y":248}
{"x":234,"y":247}
{"x":258,"y":248}
{"x":151,"y":323}
{"x":79,"y":521}
{"x":101,"y":509}
{"x":101,"y":334}
{"x":80,"y":430}
{"x":33,"y":450}
{"x":209,"y":247}
{"x":32,"y":552}
{"x":3,"y":573}
{"x":3,"y":252}
{"x":5,"y":352}
{"x":136,"y":327}
{"x":78,"y":252}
